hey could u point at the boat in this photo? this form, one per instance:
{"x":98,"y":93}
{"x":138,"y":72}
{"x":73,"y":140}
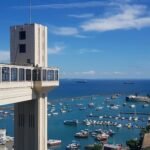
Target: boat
{"x":134,"y":98}
{"x":53,"y":142}
{"x":82,"y":134}
{"x":145,"y":105}
{"x":132,"y":106}
{"x":102,"y":137}
{"x":114,"y":107}
{"x":119,"y":125}
{"x":71,"y":122}
{"x":91,"y":104}
{"x":73,"y":146}
{"x":111,"y":132}
{"x":98,"y":108}
{"x":81,"y":81}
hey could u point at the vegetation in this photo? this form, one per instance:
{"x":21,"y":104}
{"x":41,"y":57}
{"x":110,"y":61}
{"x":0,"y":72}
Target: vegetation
{"x":97,"y":147}
{"x":137,"y":144}
{"x":94,"y":147}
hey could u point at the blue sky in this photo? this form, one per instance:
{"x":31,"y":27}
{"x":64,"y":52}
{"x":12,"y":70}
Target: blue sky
{"x":87,"y":38}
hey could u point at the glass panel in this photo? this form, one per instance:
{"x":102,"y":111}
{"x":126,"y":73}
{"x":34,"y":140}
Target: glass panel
{"x":44,"y":75}
{"x":5,"y":74}
{"x":50,"y":75}
{"x":13,"y":74}
{"x":21,"y":74}
{"x":56,"y":74}
{"x":0,"y":74}
{"x":36,"y":75}
{"x":28,"y":74}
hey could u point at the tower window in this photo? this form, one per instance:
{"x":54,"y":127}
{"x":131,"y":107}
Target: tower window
{"x":22,"y":48}
{"x":22,"y":35}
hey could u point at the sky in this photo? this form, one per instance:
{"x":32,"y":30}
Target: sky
{"x":92,"y":39}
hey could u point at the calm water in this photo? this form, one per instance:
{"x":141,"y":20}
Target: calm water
{"x":102,"y":89}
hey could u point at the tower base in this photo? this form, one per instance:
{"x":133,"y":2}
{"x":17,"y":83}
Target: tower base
{"x":30,"y":124}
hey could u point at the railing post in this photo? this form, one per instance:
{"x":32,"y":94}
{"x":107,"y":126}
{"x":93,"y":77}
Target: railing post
{"x":25,"y":75}
{"x":1,"y":74}
{"x":9,"y":74}
{"x":17,"y":74}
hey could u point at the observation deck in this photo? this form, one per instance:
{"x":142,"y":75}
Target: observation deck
{"x":25,"y":81}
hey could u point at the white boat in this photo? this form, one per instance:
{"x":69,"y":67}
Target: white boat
{"x":130,"y":118}
{"x":114,"y":107}
{"x":53,"y":142}
{"x":73,"y":146}
{"x":91,"y":104}
{"x":98,"y":108}
{"x":119,"y":125}
{"x":55,"y":113}
{"x":135,"y":118}
{"x":132,"y":106}
{"x":102,"y":137}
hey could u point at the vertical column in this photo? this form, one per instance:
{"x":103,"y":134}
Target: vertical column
{"x":31,"y":124}
{"x":42,"y":121}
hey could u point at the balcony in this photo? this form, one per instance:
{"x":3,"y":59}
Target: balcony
{"x":38,"y":78}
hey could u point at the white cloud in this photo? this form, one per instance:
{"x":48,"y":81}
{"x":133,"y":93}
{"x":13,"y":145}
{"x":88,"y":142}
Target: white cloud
{"x":83,"y":51}
{"x":83,"y":73}
{"x":134,"y":16}
{"x":81,"y":16}
{"x":56,"y":49}
{"x":91,"y":72}
{"x":4,"y":56}
{"x":65,"y":31}
{"x":88,"y":4}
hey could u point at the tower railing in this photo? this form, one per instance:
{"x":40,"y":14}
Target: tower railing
{"x":16,"y":75}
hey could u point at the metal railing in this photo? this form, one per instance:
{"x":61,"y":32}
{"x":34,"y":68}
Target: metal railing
{"x":15,"y":73}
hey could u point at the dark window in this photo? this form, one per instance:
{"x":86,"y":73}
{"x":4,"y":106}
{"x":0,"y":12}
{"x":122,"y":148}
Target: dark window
{"x":56,"y":74}
{"x":5,"y":74}
{"x":50,"y":75}
{"x":22,"y":35}
{"x":21,"y":74}
{"x":44,"y":75}
{"x":36,"y":75}
{"x":13,"y":74}
{"x":22,"y":48}
{"x":28,"y":75}
{"x":28,"y":61}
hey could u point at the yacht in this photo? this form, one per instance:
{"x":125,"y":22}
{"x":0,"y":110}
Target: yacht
{"x":71,"y":122}
{"x":53,"y":142}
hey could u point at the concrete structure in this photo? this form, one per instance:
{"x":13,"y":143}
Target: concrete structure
{"x":146,"y":142}
{"x":26,"y":82}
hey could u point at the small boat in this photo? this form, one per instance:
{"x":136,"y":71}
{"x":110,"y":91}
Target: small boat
{"x":98,"y":108}
{"x":119,"y":125}
{"x":132,"y":106}
{"x":71,"y":122}
{"x":52,"y":142}
{"x":82,"y":134}
{"x":73,"y":146}
{"x":145,"y":105}
{"x":114,"y":107}
{"x":82,"y":108}
{"x":90,"y":105}
{"x":130,"y":118}
{"x":102,"y":137}
{"x":135,"y":118}
{"x":111,"y":132}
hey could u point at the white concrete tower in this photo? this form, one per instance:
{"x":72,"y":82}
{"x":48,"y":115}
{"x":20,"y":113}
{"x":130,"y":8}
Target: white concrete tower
{"x":29,"y":84}
{"x":29,"y":45}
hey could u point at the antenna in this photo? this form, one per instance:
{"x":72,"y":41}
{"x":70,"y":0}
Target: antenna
{"x":30,"y":13}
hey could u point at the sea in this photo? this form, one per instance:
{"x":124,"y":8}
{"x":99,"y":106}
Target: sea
{"x":65,"y":103}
